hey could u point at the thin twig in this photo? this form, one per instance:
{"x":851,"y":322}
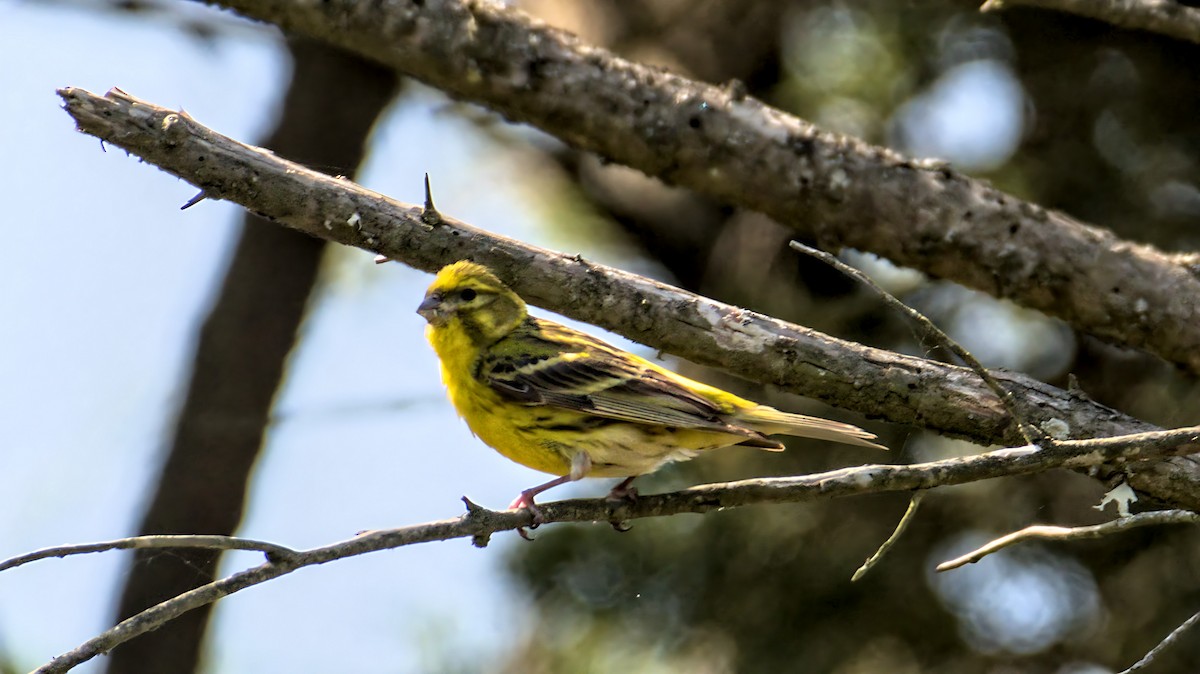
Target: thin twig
{"x":1052,"y":533}
{"x":1171,"y":638}
{"x":212,"y":542}
{"x":1033,"y":435}
{"x":887,"y":545}
{"x":479,"y":523}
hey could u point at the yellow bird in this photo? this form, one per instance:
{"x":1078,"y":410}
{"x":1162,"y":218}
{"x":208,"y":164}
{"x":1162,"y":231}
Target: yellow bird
{"x":565,"y":403}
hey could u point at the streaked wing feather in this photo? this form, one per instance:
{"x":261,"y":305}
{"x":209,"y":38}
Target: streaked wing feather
{"x":654,"y":399}
{"x":593,"y":377}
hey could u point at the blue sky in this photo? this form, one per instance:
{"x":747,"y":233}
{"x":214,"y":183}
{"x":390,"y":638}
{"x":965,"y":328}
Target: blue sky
{"x":105,"y":281}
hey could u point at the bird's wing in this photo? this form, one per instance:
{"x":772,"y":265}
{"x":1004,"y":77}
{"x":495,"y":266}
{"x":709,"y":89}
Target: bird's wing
{"x":584,"y":374}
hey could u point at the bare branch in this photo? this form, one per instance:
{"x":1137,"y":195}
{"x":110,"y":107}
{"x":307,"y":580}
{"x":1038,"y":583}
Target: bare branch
{"x":1052,"y":533}
{"x":1171,"y":638}
{"x":835,"y":189}
{"x":879,"y":383}
{"x":210,"y":542}
{"x":1165,"y":17}
{"x":905,"y":520}
{"x":479,"y":523}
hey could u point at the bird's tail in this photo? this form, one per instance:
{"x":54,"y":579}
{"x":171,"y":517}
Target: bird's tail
{"x":771,"y":421}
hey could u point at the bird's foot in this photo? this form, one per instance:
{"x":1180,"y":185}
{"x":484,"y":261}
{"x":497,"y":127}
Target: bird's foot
{"x":525,"y":500}
{"x":623,"y":492}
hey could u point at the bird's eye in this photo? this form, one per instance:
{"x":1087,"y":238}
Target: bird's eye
{"x":468,"y":294}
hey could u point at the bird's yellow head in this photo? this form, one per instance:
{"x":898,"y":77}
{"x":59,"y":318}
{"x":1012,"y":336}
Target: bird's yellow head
{"x":468,"y":297}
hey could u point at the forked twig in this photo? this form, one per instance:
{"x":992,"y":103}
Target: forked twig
{"x":1052,"y":533}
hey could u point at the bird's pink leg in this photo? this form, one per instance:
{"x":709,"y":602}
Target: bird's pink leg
{"x":525,"y":498}
{"x":581,"y":463}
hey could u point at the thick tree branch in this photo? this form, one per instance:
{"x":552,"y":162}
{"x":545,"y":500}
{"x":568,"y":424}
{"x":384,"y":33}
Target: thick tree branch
{"x":1164,"y":17}
{"x":878,"y":383}
{"x":479,"y":523}
{"x":836,"y":189}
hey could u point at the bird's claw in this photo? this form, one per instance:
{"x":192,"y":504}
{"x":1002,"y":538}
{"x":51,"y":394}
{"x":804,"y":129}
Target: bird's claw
{"x":525,"y":500}
{"x":621,"y":494}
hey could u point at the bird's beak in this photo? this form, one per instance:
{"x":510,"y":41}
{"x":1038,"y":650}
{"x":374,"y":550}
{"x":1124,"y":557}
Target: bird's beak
{"x":429,"y":307}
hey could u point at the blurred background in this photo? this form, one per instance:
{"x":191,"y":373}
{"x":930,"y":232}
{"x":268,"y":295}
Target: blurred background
{"x":168,"y":370}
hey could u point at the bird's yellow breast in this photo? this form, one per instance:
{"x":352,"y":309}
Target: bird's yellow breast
{"x":499,"y":423}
